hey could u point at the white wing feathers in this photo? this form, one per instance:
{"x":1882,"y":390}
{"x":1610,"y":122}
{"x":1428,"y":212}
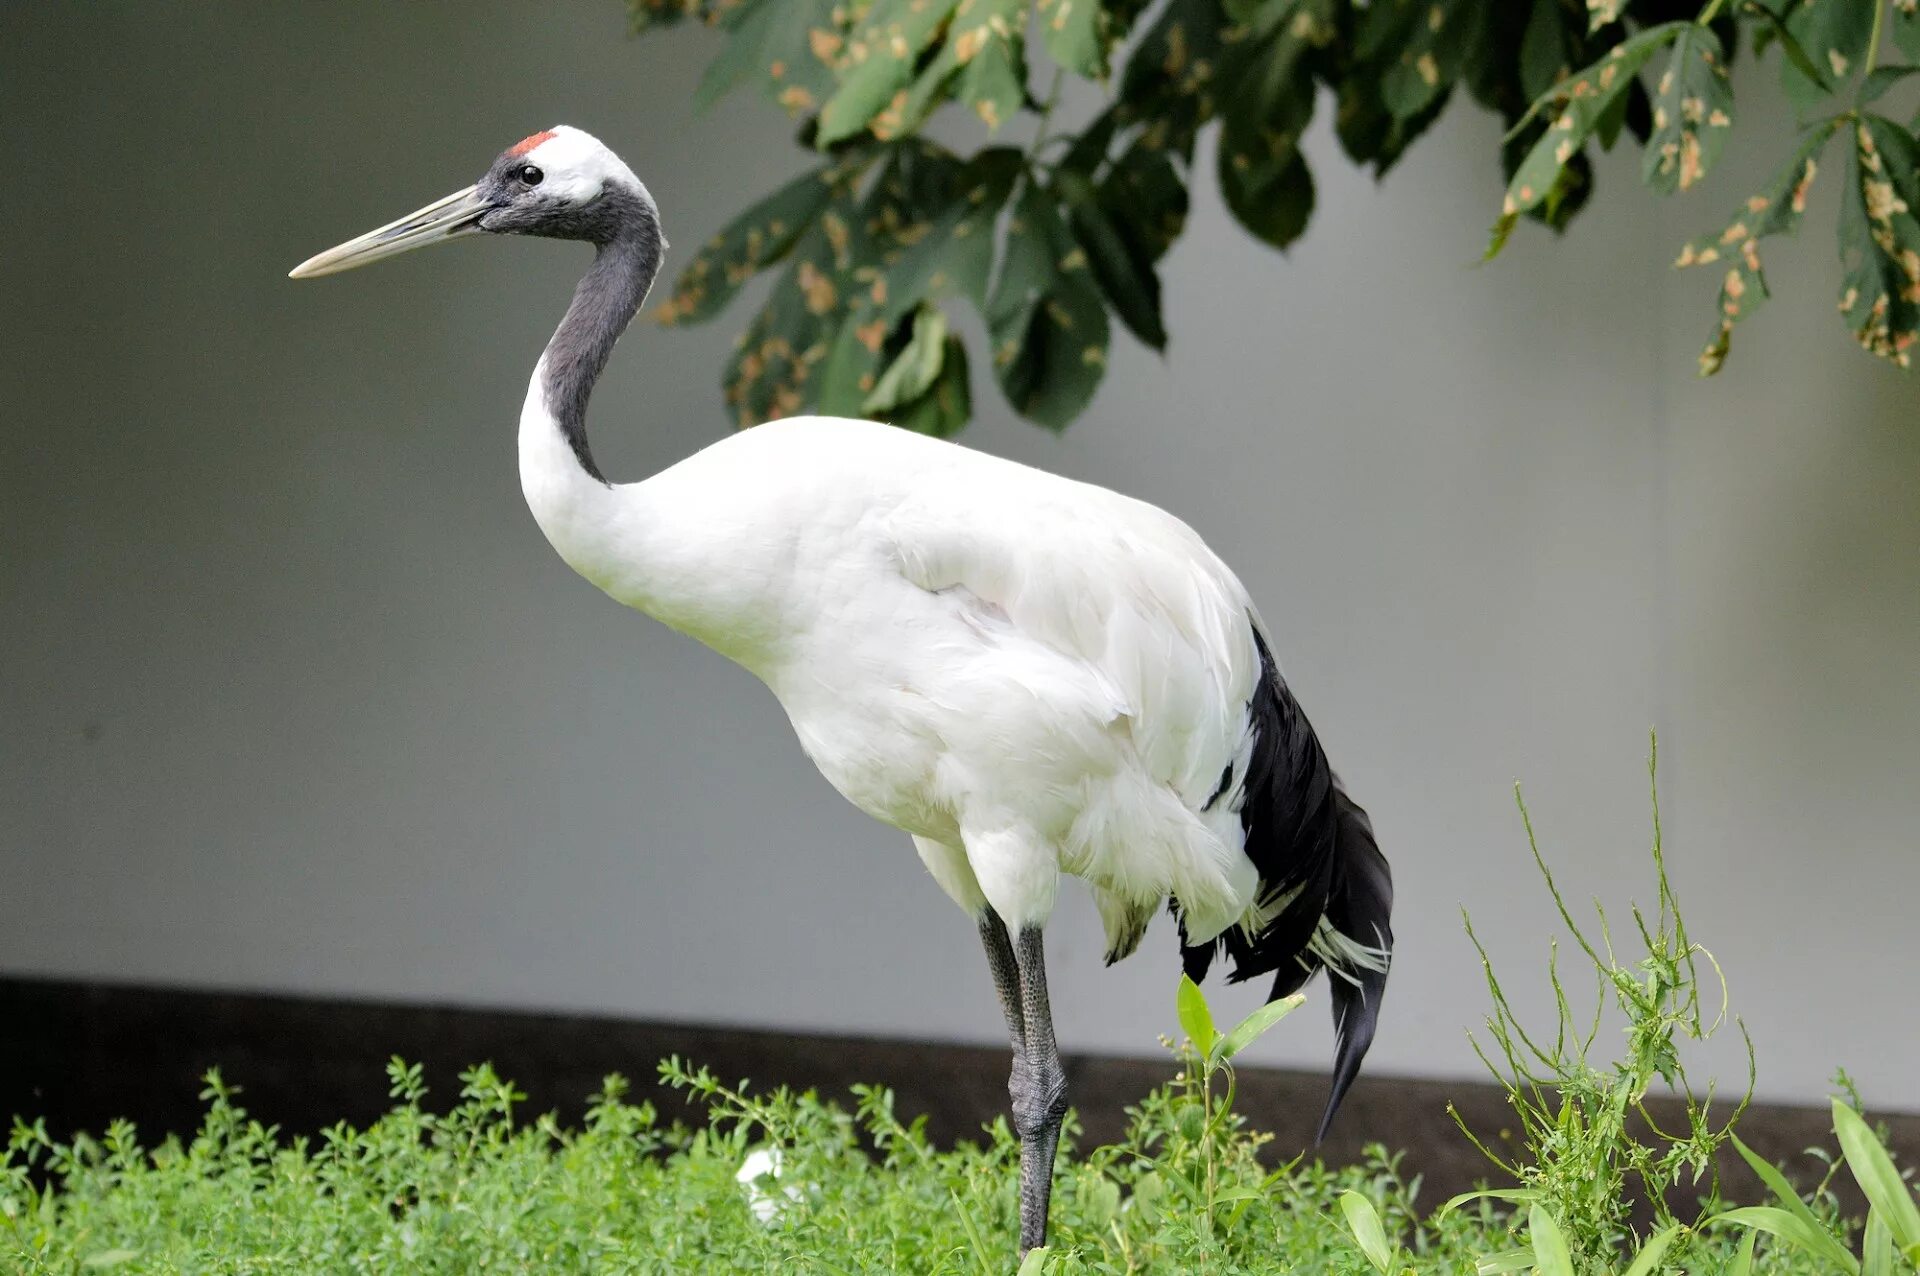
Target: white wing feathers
{"x":1119,"y":585}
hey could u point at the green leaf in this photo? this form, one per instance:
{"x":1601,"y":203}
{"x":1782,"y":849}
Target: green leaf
{"x":1742,"y":1264}
{"x":1795,"y":1229}
{"x":1812,"y":81}
{"x":851,"y":367}
{"x":1171,"y":79}
{"x":877,"y":66}
{"x":1906,"y":27}
{"x":1196,"y":1020}
{"x":782,"y":46}
{"x":1882,"y":79}
{"x":1514,"y":1195}
{"x":1035,"y":1260}
{"x":1255,"y":1025}
{"x":1125,"y":276}
{"x":1364,"y":1222}
{"x":1775,"y":210}
{"x":1549,"y":1246}
{"x":1873,"y":1169}
{"x":1876,"y":1247}
{"x":915,"y":369}
{"x":945,"y":408}
{"x":110,"y":1258}
{"x":756,"y":239}
{"x":895,"y":249}
{"x":1543,"y":49}
{"x":1048,"y":324}
{"x":1583,"y":99}
{"x":1071,"y":31}
{"x":1263,"y":176}
{"x":1880,"y":240}
{"x":1647,"y":1261}
{"x":955,"y":254}
{"x":1267,"y":103}
{"x":1433,"y":46}
{"x":1145,"y":197}
{"x":1834,"y":34}
{"x":1507,"y":1260}
{"x":981,"y":62}
{"x":772,"y":369}
{"x":1692,"y":113}
{"x":989,"y":48}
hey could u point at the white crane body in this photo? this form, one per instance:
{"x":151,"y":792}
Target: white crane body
{"x":1029,"y":675}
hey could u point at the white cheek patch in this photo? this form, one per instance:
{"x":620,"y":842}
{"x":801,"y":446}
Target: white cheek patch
{"x":577,"y":166}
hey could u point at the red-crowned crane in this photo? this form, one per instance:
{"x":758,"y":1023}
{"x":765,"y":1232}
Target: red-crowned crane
{"x":1029,"y":675}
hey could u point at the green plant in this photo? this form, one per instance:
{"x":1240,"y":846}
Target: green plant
{"x":1049,"y":239}
{"x":1587,"y":1134}
{"x":836,"y":1189}
{"x":1890,"y":1240}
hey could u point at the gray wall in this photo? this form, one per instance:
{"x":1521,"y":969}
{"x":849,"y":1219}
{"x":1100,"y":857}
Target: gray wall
{"x":295,"y":697}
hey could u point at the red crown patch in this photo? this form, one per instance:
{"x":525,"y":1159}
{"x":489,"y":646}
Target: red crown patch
{"x":526,"y":144}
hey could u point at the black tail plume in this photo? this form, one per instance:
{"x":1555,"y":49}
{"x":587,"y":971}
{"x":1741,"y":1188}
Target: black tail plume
{"x":1360,"y":907}
{"x":1322,"y":876}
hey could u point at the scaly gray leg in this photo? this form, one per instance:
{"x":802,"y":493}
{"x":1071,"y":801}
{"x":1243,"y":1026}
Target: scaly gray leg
{"x":1038,"y":1085}
{"x":1039,"y":1093}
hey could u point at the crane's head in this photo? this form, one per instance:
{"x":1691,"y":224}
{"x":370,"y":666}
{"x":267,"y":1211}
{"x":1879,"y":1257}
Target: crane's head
{"x":559,"y":183}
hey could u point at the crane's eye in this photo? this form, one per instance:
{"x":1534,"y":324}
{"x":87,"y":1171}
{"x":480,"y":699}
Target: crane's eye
{"x":530,"y":175}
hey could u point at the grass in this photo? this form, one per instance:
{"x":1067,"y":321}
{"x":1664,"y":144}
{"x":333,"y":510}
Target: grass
{"x":852,"y":1188}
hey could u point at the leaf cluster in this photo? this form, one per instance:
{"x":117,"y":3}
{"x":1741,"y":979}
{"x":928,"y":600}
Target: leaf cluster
{"x":1053,"y":240}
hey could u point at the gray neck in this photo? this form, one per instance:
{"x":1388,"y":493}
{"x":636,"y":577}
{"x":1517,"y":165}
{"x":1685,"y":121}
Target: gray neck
{"x":608,"y":297}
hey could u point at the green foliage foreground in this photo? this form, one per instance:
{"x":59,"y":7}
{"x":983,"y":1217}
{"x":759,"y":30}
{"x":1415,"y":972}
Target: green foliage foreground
{"x":792,"y":1183}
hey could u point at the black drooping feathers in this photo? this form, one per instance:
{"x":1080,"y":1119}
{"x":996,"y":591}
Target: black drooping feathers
{"x":1313,"y":847}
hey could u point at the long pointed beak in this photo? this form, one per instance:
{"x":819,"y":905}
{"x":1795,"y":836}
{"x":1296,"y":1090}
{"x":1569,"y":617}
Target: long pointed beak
{"x":450,"y":218}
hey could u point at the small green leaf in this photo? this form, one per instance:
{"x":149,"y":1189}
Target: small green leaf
{"x":1812,"y":80}
{"x":1742,"y":1264}
{"x":1773,"y":211}
{"x":1255,"y":1025}
{"x":1876,"y":1247}
{"x":1647,"y":1261}
{"x":1582,"y":100}
{"x":1145,"y":196}
{"x":780,"y":45}
{"x":1266,"y":182}
{"x":1433,"y":43}
{"x":955,"y":253}
{"x":1196,"y":1020}
{"x":758,"y":238}
{"x":1834,"y":34}
{"x":1692,"y":112}
{"x":1549,"y":1246}
{"x":1035,"y":1260}
{"x":1507,"y":1260}
{"x":988,"y":47}
{"x":1071,"y":32}
{"x":1126,"y":277}
{"x":1882,"y":79}
{"x":1796,"y":1229}
{"x":1879,"y":1181}
{"x":1364,"y":1222}
{"x":1172,"y":81}
{"x":1880,"y":239}
{"x":1512,"y":1195}
{"x":1543,"y":49}
{"x":877,"y":66}
{"x":1046,"y":318}
{"x":110,"y":1258}
{"x":1906,"y":27}
{"x":915,"y":369}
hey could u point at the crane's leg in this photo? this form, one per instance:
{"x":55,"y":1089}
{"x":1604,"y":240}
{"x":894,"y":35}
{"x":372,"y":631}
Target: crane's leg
{"x":1038,"y":1086}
